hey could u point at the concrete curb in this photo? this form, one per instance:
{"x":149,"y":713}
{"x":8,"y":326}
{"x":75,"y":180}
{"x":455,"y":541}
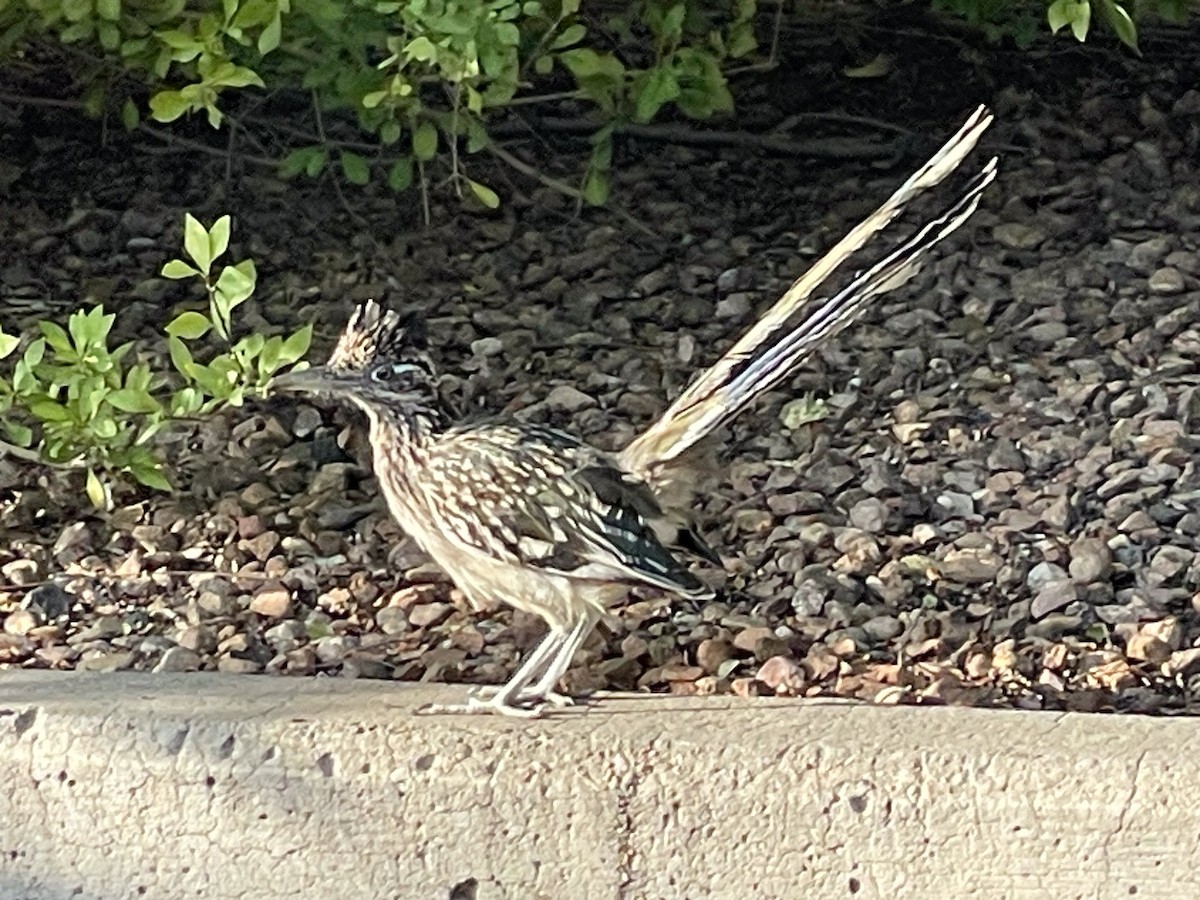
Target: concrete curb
{"x":210,"y":786}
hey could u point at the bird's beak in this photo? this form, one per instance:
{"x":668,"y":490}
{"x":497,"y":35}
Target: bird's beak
{"x":314,"y":380}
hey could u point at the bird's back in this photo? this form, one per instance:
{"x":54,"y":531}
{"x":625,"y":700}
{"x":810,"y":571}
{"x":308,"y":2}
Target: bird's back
{"x":539,"y":501}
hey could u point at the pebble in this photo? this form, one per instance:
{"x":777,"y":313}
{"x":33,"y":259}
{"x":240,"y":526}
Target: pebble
{"x":391,"y":620}
{"x":782,"y":675}
{"x":566,"y":398}
{"x":272,"y":602}
{"x":425,"y":615}
{"x":970,"y":566}
{"x":1091,"y":560}
{"x":1167,"y":280}
{"x":178,"y":659}
{"x":869,"y":515}
{"x":1044,"y":573}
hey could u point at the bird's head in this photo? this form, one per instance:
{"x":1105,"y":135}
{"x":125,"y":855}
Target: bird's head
{"x":379,"y":363}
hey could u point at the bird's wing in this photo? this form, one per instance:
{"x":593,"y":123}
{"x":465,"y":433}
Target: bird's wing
{"x":541,"y":498}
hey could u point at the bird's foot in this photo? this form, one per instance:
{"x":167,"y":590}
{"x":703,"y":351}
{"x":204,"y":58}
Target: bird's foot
{"x":496,"y":703}
{"x":550,"y":698}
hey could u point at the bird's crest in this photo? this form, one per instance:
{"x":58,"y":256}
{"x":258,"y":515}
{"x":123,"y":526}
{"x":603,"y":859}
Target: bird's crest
{"x":375,"y":335}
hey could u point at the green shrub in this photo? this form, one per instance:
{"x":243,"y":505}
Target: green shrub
{"x":70,"y":400}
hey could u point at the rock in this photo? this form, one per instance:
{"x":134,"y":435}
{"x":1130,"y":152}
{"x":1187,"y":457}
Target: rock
{"x":263,"y":545}
{"x":973,"y":565}
{"x":236,"y":665}
{"x":1051,"y":597}
{"x":178,"y":659}
{"x":711,"y":652}
{"x":883,"y":628}
{"x":1145,"y":257}
{"x":729,"y":280}
{"x":285,"y":636}
{"x":1044,"y":573}
{"x":391,"y":620}
{"x":51,"y":600}
{"x":565,"y":398}
{"x":1018,"y":235}
{"x":782,"y":675}
{"x":20,"y":571}
{"x":734,"y":306}
{"x":1091,"y":560}
{"x":423,"y":615}
{"x":1166,"y":280}
{"x":22,"y":621}
{"x":487,"y":346}
{"x":869,"y":515}
{"x":272,"y":602}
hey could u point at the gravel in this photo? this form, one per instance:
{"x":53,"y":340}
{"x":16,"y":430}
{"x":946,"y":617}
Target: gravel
{"x":996,"y":503}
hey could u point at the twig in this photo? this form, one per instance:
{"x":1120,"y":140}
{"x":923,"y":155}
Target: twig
{"x":526,"y":169}
{"x":562,"y":187}
{"x":32,"y":456}
{"x":825,"y":148}
{"x":337,"y":184}
{"x":189,"y":144}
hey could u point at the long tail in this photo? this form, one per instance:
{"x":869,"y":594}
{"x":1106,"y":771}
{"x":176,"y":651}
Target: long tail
{"x":748,"y":370}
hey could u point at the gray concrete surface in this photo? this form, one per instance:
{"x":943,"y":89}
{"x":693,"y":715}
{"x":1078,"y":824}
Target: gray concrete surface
{"x":162,"y":786}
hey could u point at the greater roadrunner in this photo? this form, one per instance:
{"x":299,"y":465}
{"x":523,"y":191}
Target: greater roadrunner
{"x":535,"y":517}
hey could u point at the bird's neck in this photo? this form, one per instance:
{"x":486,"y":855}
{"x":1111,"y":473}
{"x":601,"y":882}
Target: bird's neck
{"x":410,"y":429}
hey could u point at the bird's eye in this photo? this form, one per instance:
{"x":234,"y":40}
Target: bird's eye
{"x":383,"y":374}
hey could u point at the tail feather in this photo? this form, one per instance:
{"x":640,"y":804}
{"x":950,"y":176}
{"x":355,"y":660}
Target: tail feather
{"x":746,"y":371}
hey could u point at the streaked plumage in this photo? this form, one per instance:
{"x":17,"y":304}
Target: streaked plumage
{"x":548,"y":524}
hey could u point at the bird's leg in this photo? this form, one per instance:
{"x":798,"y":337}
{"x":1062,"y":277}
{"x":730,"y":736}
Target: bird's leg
{"x":506,"y":699}
{"x":544,"y":688}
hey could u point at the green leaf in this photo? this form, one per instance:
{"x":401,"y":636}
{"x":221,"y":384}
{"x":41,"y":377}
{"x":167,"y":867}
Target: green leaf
{"x":268,"y":359}
{"x":355,"y":168}
{"x":130,"y":117}
{"x":596,"y":187}
{"x":57,"y":338}
{"x":1119,"y":21}
{"x":167,"y":106}
{"x":109,"y":10}
{"x":400,"y":175}
{"x":295,"y":346}
{"x":8,"y":343}
{"x":587,"y":63}
{"x":195,"y":243}
{"x":218,"y":238}
{"x":425,"y":141}
{"x":181,"y":357}
{"x":1059,"y":14}
{"x":657,"y":89}
{"x":389,"y":132}
{"x":572,"y":34}
{"x":310,"y":160}
{"x":21,"y":435}
{"x":236,"y":283}
{"x":421,"y":49}
{"x":1081,"y":21}
{"x":49,"y":411}
{"x":239,"y":76}
{"x":177,"y":268}
{"x":95,"y":490}
{"x":189,"y":326}
{"x":151,"y":476}
{"x":268,"y":40}
{"x":484,"y":194}
{"x":131,"y":401}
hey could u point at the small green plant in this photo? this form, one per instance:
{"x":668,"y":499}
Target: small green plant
{"x":72,"y":401}
{"x":245,"y":366}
